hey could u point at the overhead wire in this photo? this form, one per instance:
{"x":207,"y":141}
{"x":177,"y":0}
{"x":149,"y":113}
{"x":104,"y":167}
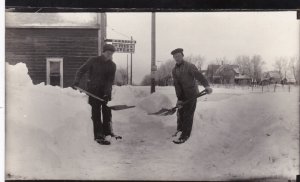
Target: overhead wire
{"x":120,"y":33}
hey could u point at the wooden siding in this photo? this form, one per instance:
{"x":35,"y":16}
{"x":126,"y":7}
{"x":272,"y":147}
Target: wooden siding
{"x":32,"y":47}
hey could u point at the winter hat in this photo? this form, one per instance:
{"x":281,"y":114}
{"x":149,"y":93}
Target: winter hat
{"x":109,"y":47}
{"x":178,"y":50}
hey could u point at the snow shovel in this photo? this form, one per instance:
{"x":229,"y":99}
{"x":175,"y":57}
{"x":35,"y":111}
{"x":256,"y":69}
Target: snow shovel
{"x":166,"y":112}
{"x":115,"y":107}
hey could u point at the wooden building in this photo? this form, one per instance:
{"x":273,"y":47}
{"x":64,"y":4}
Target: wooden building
{"x":272,"y":77}
{"x":53,"y":54}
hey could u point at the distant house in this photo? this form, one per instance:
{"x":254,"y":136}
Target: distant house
{"x":289,"y":78}
{"x":271,"y":77}
{"x":53,"y":53}
{"x":226,"y":74}
{"x":242,"y":79}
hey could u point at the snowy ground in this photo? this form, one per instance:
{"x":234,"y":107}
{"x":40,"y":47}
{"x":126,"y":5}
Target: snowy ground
{"x":237,"y":133}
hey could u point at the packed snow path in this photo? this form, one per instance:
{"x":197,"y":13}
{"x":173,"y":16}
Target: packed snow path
{"x":237,"y":133}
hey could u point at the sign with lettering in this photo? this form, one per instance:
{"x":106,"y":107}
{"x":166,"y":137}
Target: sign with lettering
{"x":123,"y":46}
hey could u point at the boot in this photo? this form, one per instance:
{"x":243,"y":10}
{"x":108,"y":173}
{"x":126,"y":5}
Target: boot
{"x":102,"y":141}
{"x":181,"y":140}
{"x":176,"y":133}
{"x":115,"y":136}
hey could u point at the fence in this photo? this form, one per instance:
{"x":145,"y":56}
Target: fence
{"x":259,"y":88}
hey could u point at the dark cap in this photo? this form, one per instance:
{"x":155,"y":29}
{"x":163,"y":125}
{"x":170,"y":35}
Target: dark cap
{"x":178,"y":50}
{"x":109,"y":47}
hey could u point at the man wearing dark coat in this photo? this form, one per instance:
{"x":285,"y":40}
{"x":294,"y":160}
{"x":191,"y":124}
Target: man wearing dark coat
{"x":185,"y":76}
{"x":101,"y":74}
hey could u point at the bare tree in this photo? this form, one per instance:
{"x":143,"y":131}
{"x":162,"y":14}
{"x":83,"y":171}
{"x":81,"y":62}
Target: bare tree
{"x":257,"y":64}
{"x":146,"y":80}
{"x":280,"y":65}
{"x":121,"y":77}
{"x":245,"y":65}
{"x":284,"y":68}
{"x":198,"y":60}
{"x":294,"y":68}
{"x":164,"y":72}
{"x":221,"y":61}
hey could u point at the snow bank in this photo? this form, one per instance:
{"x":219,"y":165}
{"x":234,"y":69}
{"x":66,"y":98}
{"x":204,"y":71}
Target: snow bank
{"x":141,"y":98}
{"x":19,"y":78}
{"x":253,"y":134}
{"x":155,"y":102}
{"x":127,"y":95}
{"x":237,"y":133}
{"x":44,"y":124}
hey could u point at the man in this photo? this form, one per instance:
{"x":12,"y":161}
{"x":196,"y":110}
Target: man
{"x":101,"y":74}
{"x":185,"y":75}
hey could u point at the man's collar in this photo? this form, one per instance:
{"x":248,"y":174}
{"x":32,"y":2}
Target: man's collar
{"x":178,"y":65}
{"x":103,"y":58}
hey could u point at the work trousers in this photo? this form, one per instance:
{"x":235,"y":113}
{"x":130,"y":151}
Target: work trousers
{"x":101,"y":129}
{"x":185,"y":117}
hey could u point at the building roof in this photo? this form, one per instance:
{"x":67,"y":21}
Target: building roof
{"x":227,"y":67}
{"x":237,"y":70}
{"x":54,"y":27}
{"x":213,"y":66}
{"x":51,"y":20}
{"x":242,"y":77}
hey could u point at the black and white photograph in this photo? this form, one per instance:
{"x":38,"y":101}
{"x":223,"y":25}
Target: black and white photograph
{"x":152,"y":95}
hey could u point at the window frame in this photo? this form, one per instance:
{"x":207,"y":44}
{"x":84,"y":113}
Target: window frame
{"x":61,"y":70}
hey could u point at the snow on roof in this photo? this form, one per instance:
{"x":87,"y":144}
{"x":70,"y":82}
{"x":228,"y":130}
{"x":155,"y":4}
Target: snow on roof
{"x":274,"y":74}
{"x":291,"y":79}
{"x":242,"y":77}
{"x":237,"y":70}
{"x":51,"y":20}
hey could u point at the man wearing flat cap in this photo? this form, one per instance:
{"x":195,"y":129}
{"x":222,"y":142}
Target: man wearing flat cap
{"x":185,"y":75}
{"x":101,"y":74}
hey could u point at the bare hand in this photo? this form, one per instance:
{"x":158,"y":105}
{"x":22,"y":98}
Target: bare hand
{"x":208,"y":90}
{"x":179,"y":104}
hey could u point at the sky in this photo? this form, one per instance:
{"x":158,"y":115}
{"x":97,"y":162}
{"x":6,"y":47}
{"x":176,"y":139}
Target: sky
{"x":271,"y":35}
{"x":212,"y":35}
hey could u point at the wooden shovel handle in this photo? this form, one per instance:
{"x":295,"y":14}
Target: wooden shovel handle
{"x":89,"y":94}
{"x":203,"y":92}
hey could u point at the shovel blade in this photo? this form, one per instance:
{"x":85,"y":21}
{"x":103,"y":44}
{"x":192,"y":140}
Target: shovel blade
{"x":120,"y":107}
{"x":170,"y":112}
{"x":164,"y":112}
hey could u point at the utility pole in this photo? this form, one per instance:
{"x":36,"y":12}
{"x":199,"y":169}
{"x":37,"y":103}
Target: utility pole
{"x":101,"y":21}
{"x":127,"y":70}
{"x":153,"y":66}
{"x":298,"y":18}
{"x":131,"y":66}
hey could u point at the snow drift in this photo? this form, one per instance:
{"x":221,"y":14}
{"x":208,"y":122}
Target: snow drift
{"x":237,"y":133}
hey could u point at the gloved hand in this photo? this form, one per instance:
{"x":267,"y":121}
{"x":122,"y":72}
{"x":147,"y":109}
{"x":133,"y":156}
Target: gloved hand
{"x":208,"y":90}
{"x":106,"y":98}
{"x":179,"y":104}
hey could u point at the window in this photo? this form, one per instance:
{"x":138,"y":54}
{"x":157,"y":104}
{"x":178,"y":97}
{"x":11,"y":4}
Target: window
{"x":55,"y":71}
